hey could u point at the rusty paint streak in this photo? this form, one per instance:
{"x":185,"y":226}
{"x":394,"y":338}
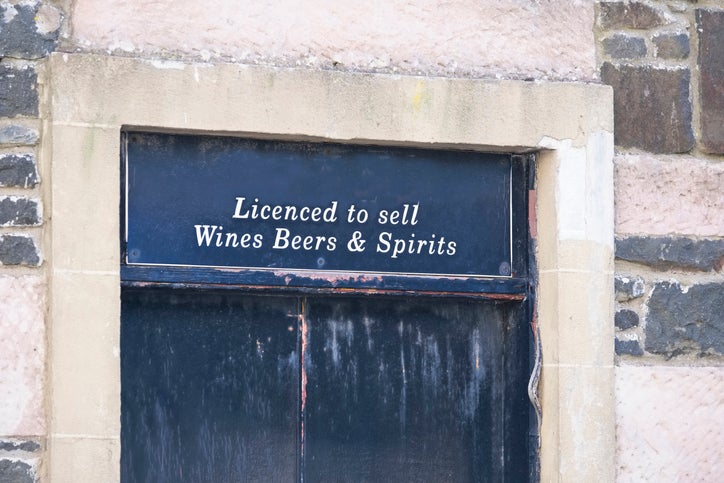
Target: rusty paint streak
{"x":331,"y":277}
{"x":328,"y":290}
{"x":531,"y":214}
{"x":305,"y":347}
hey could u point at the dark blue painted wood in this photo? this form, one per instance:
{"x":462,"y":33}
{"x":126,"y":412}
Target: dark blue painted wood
{"x":213,"y":388}
{"x":302,"y":280}
{"x":183,"y":199}
{"x":209,"y":387}
{"x":398,"y":389}
{"x":415,"y":391}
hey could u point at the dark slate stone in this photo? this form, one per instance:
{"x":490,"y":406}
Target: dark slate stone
{"x":18,"y":170}
{"x":27,"y":446}
{"x":628,"y":15}
{"x":710,"y":24}
{"x":18,"y":212}
{"x":672,"y":46}
{"x":12,"y":471}
{"x":628,"y":288}
{"x":664,"y":253}
{"x":628,"y":347}
{"x":652,"y":110}
{"x":18,"y":250}
{"x":19,"y":37}
{"x":625,"y":319}
{"x":18,"y":91}
{"x":624,"y":47}
{"x":16,"y":135}
{"x":681,"y":322}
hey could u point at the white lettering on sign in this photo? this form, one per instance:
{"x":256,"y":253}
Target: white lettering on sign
{"x":412,"y":246}
{"x":395,"y":217}
{"x":286,"y":212}
{"x":212,"y":235}
{"x":387,"y":242}
{"x":284,"y":240}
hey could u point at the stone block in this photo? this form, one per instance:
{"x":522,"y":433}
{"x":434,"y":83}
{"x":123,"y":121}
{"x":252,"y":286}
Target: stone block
{"x":652,"y":110}
{"x":668,"y":194}
{"x":83,"y":313}
{"x":23,"y":445}
{"x":81,"y":459}
{"x":17,"y":135}
{"x":19,"y":211}
{"x":672,"y":46}
{"x":22,"y":358}
{"x":668,"y":423}
{"x":626,"y":319}
{"x":585,"y":427}
{"x":18,"y":91}
{"x":28,"y":30}
{"x":710,"y":24}
{"x":18,"y":170}
{"x":628,"y":288}
{"x":664,"y":253}
{"x":15,"y":471}
{"x":628,"y":15}
{"x":628,"y":348}
{"x":553,"y":39}
{"x":18,"y":250}
{"x":624,"y":47}
{"x":685,"y":321}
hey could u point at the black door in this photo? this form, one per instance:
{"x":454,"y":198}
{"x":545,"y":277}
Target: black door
{"x":223,"y":386}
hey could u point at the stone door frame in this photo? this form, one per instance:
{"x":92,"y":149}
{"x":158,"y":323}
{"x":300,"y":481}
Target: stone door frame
{"x":569,"y":125}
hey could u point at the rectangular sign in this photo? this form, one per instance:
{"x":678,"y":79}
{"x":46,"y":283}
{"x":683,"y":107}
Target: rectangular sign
{"x":223,"y":202}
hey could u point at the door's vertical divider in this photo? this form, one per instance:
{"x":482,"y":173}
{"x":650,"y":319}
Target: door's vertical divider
{"x":304,"y":331}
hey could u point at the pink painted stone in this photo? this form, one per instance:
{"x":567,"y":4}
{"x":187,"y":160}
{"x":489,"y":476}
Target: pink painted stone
{"x":22,"y":355}
{"x":520,"y":38}
{"x":669,"y":423}
{"x":668,"y":195}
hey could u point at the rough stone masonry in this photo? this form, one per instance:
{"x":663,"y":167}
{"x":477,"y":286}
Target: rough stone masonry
{"x":29,"y":31}
{"x":665,"y":62}
{"x":645,"y":49}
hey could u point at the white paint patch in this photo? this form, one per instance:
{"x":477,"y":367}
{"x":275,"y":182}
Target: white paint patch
{"x":168,"y":64}
{"x":584,"y":188}
{"x":599,"y":193}
{"x":571,"y":188}
{"x":123,"y":45}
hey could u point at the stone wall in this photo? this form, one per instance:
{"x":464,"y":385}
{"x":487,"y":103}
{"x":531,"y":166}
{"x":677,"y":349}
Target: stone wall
{"x":466,"y":38}
{"x":665,"y":61}
{"x":29,"y":31}
{"x":663,"y":58}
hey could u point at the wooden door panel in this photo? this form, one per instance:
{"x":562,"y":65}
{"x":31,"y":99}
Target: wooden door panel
{"x":210,"y":387}
{"x":414,"y":390}
{"x":229,"y":387}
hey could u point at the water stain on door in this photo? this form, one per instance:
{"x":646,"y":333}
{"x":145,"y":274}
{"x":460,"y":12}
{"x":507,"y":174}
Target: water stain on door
{"x":222,"y":386}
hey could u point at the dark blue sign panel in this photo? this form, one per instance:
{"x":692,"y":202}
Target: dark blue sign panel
{"x":197,"y":201}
